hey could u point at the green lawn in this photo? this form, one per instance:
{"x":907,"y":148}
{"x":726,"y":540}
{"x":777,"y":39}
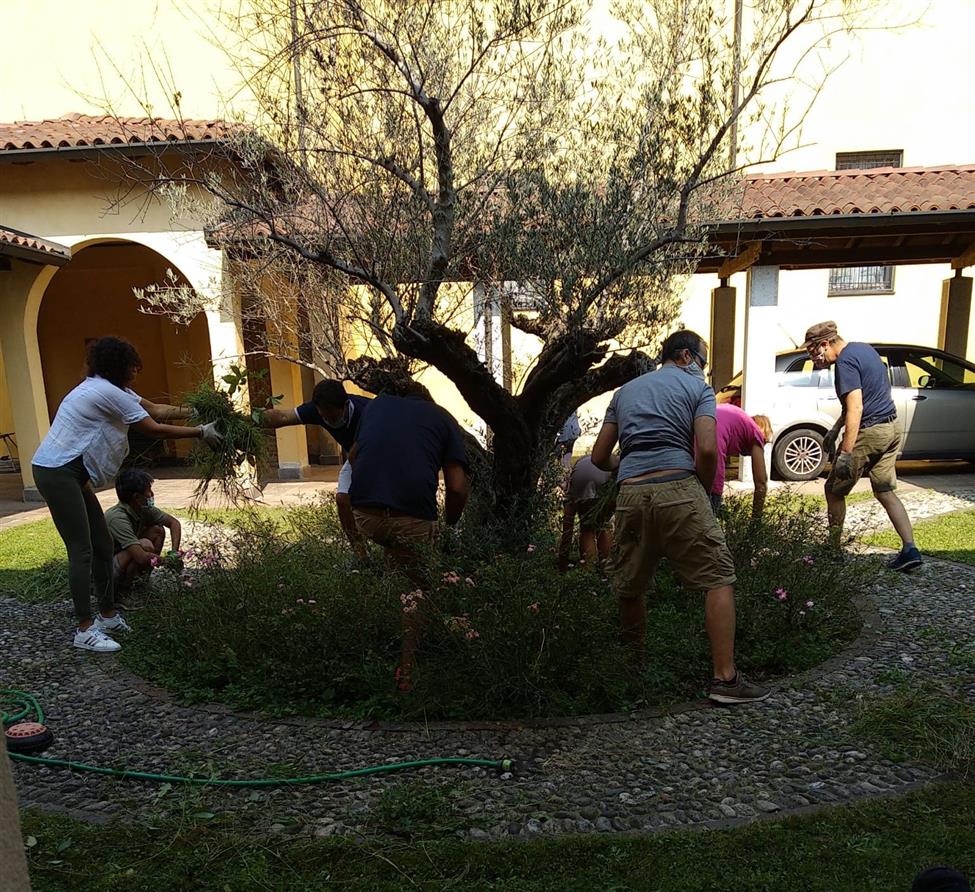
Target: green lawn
{"x":33,"y":563}
{"x":880,"y":845}
{"x":951,"y":536}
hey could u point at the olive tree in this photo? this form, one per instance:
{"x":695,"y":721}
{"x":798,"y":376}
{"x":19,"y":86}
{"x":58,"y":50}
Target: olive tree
{"x":557,"y":158}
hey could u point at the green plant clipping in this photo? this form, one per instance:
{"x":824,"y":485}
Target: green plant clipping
{"x":231,"y":467}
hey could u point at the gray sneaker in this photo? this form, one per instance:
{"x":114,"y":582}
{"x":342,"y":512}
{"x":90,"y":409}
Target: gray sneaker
{"x":908,"y":559}
{"x":738,"y":690}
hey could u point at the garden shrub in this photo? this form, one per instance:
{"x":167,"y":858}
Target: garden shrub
{"x":280,"y":615}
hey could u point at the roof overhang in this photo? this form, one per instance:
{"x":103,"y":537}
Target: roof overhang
{"x":129,"y":150}
{"x":834,"y":240}
{"x":32,"y":249}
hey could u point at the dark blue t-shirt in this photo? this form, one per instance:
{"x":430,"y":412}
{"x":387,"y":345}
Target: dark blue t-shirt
{"x":344,"y":434}
{"x":403,"y":443}
{"x":859,"y":367}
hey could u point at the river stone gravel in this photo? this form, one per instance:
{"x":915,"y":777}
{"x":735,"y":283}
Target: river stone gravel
{"x":700,"y":766}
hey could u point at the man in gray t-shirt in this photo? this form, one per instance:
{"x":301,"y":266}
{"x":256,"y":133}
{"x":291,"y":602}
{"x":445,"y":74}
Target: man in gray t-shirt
{"x":664,"y":423}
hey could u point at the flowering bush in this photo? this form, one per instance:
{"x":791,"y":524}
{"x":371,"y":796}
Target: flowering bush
{"x":283,"y":616}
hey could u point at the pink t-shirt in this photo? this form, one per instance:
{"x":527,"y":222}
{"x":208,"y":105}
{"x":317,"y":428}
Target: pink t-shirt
{"x":736,"y":433}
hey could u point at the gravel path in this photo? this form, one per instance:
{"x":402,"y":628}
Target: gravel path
{"x":701,"y":767}
{"x":862,"y":517}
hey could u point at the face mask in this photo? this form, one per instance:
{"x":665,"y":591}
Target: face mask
{"x":692,"y":368}
{"x":150,"y":503}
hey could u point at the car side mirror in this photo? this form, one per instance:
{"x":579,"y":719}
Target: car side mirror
{"x":925,"y":382}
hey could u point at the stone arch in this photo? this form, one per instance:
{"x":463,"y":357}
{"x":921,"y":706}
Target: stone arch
{"x":92,"y":296}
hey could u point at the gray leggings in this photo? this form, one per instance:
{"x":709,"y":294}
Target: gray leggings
{"x":81,"y":524}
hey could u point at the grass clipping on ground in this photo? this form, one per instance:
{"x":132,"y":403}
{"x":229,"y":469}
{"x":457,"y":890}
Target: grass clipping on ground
{"x":231,"y":467}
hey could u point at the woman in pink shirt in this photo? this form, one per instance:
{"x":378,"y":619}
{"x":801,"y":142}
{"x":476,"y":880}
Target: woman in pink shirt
{"x":741,"y":434}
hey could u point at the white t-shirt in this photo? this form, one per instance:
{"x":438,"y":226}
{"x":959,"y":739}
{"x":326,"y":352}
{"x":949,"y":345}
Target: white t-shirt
{"x":93,"y":422}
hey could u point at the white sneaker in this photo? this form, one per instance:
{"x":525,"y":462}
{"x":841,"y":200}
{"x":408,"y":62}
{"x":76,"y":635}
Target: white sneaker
{"x":96,"y":640}
{"x":112,"y":624}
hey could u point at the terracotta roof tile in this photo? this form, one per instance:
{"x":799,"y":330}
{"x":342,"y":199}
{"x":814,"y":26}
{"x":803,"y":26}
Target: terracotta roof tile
{"x":33,"y":245}
{"x":885,"y":190}
{"x":84,"y":131}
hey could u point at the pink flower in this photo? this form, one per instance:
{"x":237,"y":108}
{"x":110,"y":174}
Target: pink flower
{"x":471,"y":634}
{"x":469,"y":581}
{"x":534,"y":608}
{"x":154,"y":561}
{"x":300,"y":601}
{"x":188,"y":583}
{"x":531,"y":548}
{"x":781,"y":594}
{"x":186,"y":554}
{"x":459,"y":623}
{"x":411,"y":600}
{"x":808,"y":560}
{"x":451,"y":578}
{"x":809,"y":603}
{"x":802,"y":613}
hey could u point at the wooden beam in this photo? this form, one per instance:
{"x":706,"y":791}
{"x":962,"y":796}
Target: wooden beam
{"x":743,"y":261}
{"x":966,"y":258}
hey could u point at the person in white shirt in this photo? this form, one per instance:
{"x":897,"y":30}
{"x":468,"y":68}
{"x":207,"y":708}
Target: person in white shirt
{"x":84,"y":449}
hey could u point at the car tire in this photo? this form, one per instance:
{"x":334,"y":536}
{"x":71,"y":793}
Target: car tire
{"x":799,"y":454}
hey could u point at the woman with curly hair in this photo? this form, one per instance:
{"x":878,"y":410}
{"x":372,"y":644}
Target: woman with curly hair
{"x":84,"y":448}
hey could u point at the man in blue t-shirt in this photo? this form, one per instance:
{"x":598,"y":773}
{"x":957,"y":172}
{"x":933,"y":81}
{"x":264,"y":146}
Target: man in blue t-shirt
{"x":339,"y":413}
{"x":870,"y":441}
{"x":402,"y":445}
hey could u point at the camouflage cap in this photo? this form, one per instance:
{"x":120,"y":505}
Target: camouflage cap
{"x":821,"y":331}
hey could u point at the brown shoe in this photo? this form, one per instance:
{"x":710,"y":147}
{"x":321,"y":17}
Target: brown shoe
{"x":738,"y":690}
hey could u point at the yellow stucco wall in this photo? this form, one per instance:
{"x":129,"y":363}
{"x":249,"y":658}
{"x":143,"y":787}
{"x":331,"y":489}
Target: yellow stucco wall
{"x":6,"y":416}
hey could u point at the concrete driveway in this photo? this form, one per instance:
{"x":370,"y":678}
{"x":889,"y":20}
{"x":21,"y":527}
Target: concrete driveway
{"x":173,"y":489}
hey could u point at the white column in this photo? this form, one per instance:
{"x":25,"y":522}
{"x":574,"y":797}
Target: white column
{"x":758,"y":390}
{"x":487,"y":300}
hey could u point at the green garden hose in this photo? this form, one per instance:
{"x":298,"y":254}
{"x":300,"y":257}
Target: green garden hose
{"x":18,"y":705}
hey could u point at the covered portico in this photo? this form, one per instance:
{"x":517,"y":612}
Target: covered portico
{"x":828,"y":219}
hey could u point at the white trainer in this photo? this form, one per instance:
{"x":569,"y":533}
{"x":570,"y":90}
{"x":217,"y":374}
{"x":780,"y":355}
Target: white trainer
{"x":96,"y":640}
{"x":112,"y":624}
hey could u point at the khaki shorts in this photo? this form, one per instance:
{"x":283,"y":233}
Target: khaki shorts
{"x":670,"y":520}
{"x":874,"y":453}
{"x":404,"y":539}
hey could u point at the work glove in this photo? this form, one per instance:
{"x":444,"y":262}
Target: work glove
{"x":829,"y":442}
{"x":211,"y":436}
{"x":843,"y":466}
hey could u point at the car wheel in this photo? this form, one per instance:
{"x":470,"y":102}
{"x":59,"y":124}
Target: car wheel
{"x":799,"y":455}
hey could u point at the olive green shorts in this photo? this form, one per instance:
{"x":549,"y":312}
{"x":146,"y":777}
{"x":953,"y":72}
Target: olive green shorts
{"x":670,"y":520}
{"x":874,"y":453}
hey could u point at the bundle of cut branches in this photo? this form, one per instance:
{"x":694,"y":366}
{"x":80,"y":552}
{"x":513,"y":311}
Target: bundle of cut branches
{"x":230,"y":467}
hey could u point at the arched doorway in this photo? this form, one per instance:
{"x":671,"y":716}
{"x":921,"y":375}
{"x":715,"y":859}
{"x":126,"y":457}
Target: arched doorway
{"x":91,"y":297}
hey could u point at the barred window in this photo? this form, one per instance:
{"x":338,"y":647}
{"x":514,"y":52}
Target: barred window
{"x":868,"y":160}
{"x":864,"y":279}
